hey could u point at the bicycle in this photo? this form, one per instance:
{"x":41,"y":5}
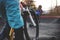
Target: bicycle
{"x":33,"y":19}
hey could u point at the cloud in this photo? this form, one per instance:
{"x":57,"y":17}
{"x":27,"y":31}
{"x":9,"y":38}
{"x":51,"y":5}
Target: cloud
{"x":47,"y":4}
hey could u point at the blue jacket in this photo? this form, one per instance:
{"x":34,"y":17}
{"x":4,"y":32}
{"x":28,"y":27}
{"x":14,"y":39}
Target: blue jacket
{"x":9,"y":10}
{"x":39,"y":12}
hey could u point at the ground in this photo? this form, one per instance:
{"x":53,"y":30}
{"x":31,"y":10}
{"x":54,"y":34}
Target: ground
{"x":49,"y":29}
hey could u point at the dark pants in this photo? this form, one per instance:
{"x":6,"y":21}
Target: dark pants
{"x":18,"y":33}
{"x":25,"y":25}
{"x":38,"y":17}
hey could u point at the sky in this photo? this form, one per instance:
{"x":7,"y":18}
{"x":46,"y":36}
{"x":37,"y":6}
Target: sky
{"x":47,"y":4}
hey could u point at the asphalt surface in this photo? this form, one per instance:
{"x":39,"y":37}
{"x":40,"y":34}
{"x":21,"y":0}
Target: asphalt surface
{"x":49,"y":29}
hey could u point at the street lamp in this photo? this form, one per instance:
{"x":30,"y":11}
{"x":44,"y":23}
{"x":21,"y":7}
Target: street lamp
{"x":56,"y":7}
{"x":56,"y":3}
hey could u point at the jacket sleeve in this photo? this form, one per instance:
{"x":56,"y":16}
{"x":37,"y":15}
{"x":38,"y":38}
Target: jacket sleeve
{"x":13,"y":13}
